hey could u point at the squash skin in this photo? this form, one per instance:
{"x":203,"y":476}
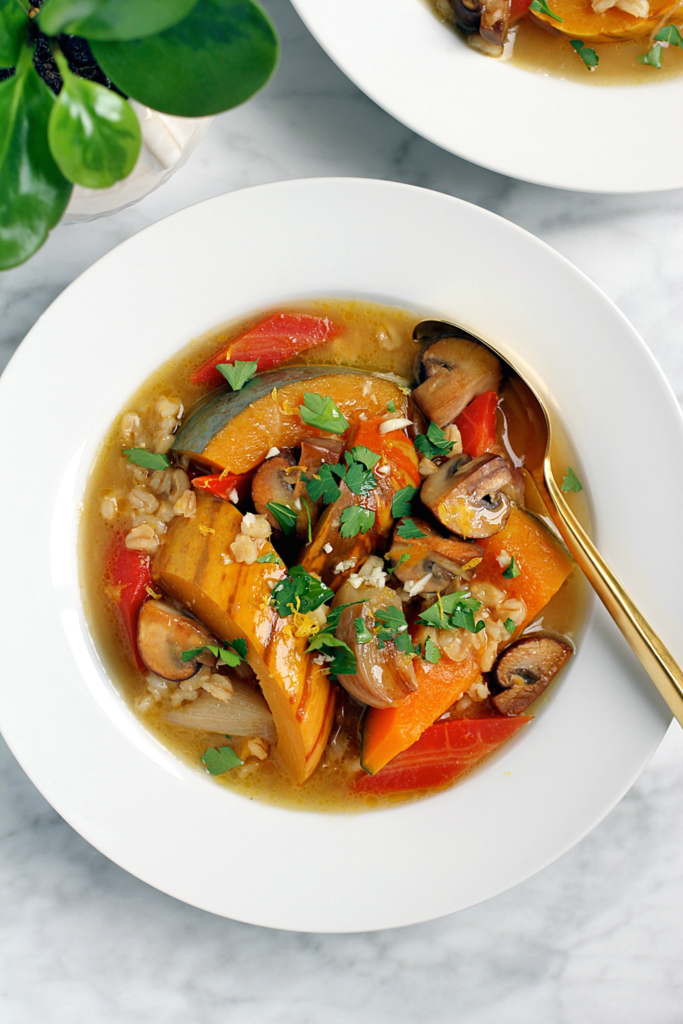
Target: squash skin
{"x":544,"y":565}
{"x":234,"y":430}
{"x":581,"y":22}
{"x":233,"y":601}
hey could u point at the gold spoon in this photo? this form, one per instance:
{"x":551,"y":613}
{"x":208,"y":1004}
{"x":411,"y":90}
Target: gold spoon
{"x":642,"y":639}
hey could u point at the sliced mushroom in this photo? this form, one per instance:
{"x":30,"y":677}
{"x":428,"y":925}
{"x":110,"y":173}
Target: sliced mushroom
{"x":495,"y":17}
{"x":467,"y":497}
{"x":163,"y":635}
{"x":525,"y":669}
{"x":272,"y":483}
{"x":315,"y":452}
{"x":434,"y":560}
{"x":456,"y":371}
{"x":384,"y":677}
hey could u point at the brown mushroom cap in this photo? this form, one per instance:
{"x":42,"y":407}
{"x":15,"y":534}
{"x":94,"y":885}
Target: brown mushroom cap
{"x":467,"y":496}
{"x":525,"y":669}
{"x":442,"y":557}
{"x":457,"y":370}
{"x":163,"y":635}
{"x":272,"y":483}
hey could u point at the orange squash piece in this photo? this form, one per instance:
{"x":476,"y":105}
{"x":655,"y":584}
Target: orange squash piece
{"x":233,"y":600}
{"x":544,"y":565}
{"x":580,"y":21}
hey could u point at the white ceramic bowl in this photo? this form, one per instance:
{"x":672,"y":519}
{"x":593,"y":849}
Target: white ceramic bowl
{"x":547,"y":130}
{"x":68,"y":726}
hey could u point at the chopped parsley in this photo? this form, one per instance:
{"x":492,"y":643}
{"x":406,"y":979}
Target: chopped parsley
{"x":364,"y":455}
{"x":393,"y":626}
{"x":148,"y":460}
{"x":407,"y":530}
{"x":512,"y":570}
{"x":403,"y":557}
{"x":391,"y":407}
{"x":285,"y":516}
{"x":321,"y":412}
{"x":358,"y":478}
{"x":431,"y":651}
{"x":402,"y":500}
{"x":323,"y":485}
{"x":571,"y":481}
{"x":670,"y":34}
{"x":363,"y":634}
{"x":238,"y":373}
{"x":230,"y":653}
{"x":588,"y":56}
{"x":510,"y":625}
{"x":542,"y":7}
{"x":221,"y":759}
{"x":453,"y":611}
{"x":299,"y":591}
{"x":355,"y":519}
{"x":434,"y":442}
{"x":653,"y":57}
{"x":270,"y":556}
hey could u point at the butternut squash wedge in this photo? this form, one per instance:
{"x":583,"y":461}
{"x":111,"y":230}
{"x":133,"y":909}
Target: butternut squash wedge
{"x":233,"y":600}
{"x":580,"y":21}
{"x":544,"y":565}
{"x":234,"y":430}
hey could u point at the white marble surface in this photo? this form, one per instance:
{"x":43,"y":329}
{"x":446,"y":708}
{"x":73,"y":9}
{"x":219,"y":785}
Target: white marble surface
{"x":595,"y":938}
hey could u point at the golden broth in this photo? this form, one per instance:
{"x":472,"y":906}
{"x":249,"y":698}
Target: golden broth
{"x":378,"y":338}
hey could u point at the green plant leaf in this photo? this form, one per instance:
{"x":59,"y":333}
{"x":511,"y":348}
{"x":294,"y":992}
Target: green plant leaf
{"x":112,"y":19}
{"x":237,"y":374}
{"x":146,"y":459}
{"x":34,"y":191}
{"x":93,"y":132}
{"x":587,"y":55}
{"x":217,"y":57}
{"x":653,"y":57}
{"x":670,"y":34}
{"x":14,"y":24}
{"x":220,"y":759}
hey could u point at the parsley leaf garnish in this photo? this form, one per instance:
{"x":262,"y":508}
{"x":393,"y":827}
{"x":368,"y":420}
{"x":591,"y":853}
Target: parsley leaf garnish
{"x":432,"y":652}
{"x":542,"y":7}
{"x":230,"y":654}
{"x":325,"y":486}
{"x":401,"y":502}
{"x":321,"y":412}
{"x":670,"y":34}
{"x":358,"y":479}
{"x":220,"y":759}
{"x":571,"y":481}
{"x":148,"y":460}
{"x":355,"y":519}
{"x":238,"y":373}
{"x":407,"y":529}
{"x":512,"y":571}
{"x":363,"y":634}
{"x":391,"y":407}
{"x":510,"y":625}
{"x":299,"y":591}
{"x":343,"y":659}
{"x":365,"y":455}
{"x":285,"y":516}
{"x":453,"y":611}
{"x":653,"y":57}
{"x":403,"y":557}
{"x":434,"y":442}
{"x":393,"y":626}
{"x":588,"y":56}
{"x":270,"y":556}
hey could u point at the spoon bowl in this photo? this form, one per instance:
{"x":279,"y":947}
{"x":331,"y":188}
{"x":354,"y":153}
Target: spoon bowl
{"x":657,"y":661}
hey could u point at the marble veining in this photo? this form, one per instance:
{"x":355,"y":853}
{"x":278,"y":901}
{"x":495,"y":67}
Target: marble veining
{"x":597,"y":937}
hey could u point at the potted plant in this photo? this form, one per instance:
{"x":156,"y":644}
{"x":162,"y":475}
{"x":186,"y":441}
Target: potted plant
{"x":69,"y":70}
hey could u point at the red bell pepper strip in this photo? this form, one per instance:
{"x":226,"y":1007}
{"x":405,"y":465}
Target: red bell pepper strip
{"x":477,"y":424}
{"x":518,"y":8}
{"x":444,"y":751}
{"x":130,"y":575}
{"x":224,"y":486}
{"x":269,"y":343}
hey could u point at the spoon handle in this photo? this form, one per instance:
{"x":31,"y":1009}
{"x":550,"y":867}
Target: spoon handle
{"x":644,"y":642}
